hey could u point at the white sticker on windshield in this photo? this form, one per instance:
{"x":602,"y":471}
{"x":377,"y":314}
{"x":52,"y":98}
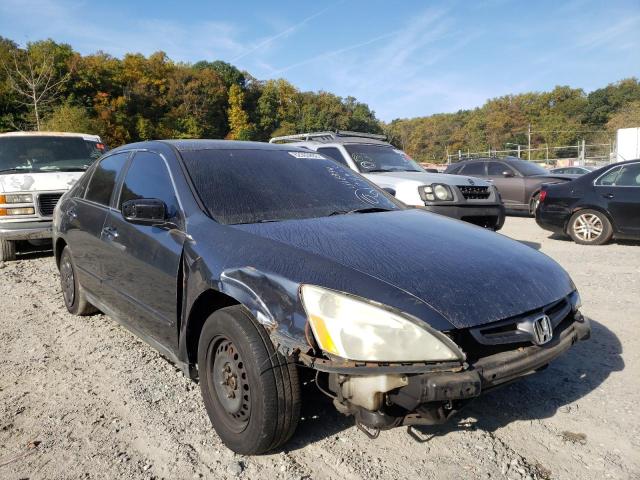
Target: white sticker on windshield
{"x":314,"y":155}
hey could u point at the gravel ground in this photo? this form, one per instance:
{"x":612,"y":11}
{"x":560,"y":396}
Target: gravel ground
{"x":84,"y":398}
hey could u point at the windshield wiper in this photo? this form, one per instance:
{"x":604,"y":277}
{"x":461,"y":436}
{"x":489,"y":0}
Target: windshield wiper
{"x":361,"y":210}
{"x":377,"y":170}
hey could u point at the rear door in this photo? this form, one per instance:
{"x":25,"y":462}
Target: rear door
{"x":623,"y":196}
{"x":85,"y":217}
{"x":143,"y":261}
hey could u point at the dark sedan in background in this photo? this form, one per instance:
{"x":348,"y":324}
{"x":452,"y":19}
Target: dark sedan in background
{"x":250,"y":264}
{"x":517,"y":180}
{"x":595,"y":207}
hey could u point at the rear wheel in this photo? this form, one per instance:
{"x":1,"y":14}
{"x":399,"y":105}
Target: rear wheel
{"x":7,"y":250}
{"x":251,"y":392}
{"x":590,"y":227}
{"x":72,"y":292}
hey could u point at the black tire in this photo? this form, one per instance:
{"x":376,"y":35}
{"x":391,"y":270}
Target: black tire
{"x":7,"y":250}
{"x":72,"y":292}
{"x":590,"y":227}
{"x":533,"y":204}
{"x":251,"y":392}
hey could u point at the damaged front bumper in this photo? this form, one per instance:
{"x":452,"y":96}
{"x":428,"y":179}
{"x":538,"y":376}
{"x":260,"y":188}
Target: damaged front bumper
{"x":390,"y":396}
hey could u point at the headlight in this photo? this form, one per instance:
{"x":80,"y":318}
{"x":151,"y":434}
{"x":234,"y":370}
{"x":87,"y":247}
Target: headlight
{"x":16,"y":198}
{"x":576,"y":301}
{"x":361,"y":330}
{"x":437,"y":191}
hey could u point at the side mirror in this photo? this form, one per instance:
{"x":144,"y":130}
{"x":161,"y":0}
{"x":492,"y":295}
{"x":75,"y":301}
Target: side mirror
{"x":507,"y":174}
{"x":145,"y":211}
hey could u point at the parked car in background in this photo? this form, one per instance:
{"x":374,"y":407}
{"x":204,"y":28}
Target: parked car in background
{"x":575,"y":170}
{"x":36,"y":168}
{"x":246,"y":263}
{"x":518,"y":180}
{"x":470,"y":199}
{"x":595,"y":207}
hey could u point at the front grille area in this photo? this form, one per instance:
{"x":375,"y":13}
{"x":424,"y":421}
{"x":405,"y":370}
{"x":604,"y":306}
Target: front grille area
{"x":474,"y":193}
{"x":502,"y":336}
{"x":47,"y":202}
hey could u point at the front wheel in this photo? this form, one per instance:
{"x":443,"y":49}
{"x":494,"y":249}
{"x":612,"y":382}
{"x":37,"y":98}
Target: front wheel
{"x":251,"y":392}
{"x":590,"y":227}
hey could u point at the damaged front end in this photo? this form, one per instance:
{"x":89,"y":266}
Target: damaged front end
{"x":383,"y":395}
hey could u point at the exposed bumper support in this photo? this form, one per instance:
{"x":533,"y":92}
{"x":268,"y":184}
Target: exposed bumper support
{"x":25,"y":230}
{"x":488,"y":372}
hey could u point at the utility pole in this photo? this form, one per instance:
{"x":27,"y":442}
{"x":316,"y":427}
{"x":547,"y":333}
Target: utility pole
{"x":529,"y":148}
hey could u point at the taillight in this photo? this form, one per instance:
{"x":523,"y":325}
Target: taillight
{"x":543,"y":195}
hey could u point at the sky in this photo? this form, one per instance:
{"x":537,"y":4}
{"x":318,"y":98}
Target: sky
{"x":404,"y":58}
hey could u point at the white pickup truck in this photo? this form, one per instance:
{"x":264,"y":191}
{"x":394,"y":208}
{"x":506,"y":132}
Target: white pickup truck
{"x":36,"y":169}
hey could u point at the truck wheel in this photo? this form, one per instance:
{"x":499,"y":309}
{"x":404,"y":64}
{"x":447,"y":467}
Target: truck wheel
{"x":251,"y":392}
{"x":7,"y":250}
{"x":590,"y":227}
{"x":72,"y":292}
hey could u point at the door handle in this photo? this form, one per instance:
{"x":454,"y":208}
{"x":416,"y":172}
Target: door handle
{"x":110,"y":232}
{"x":608,"y":195}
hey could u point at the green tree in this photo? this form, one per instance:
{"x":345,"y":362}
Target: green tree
{"x":239,"y":125}
{"x":69,"y":118}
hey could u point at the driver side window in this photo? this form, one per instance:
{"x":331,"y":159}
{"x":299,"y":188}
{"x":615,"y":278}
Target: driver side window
{"x":148,"y":177}
{"x":496,"y":169}
{"x":609,"y":178}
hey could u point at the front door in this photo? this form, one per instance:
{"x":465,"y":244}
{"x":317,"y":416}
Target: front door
{"x":143,"y":264}
{"x":623,"y":197}
{"x":509,"y":183}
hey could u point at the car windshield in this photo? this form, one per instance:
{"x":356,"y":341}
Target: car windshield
{"x":253,"y":186}
{"x":380,"y":158}
{"x":47,"y":153}
{"x":528,"y":168}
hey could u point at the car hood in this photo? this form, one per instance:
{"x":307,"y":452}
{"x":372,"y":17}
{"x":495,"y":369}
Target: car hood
{"x":467,"y":274}
{"x":38,"y":182}
{"x":427,"y":178}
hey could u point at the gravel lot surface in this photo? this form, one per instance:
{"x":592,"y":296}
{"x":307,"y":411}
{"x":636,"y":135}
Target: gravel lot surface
{"x":84,"y":398}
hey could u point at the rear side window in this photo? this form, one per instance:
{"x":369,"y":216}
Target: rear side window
{"x":334,"y":153}
{"x":148,"y":177}
{"x":476,"y":168}
{"x":104,"y":178}
{"x":629,"y":176}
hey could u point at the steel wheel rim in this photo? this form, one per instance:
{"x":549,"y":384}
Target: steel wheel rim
{"x":230,"y":384}
{"x":588,"y":227}
{"x":67,"y":281}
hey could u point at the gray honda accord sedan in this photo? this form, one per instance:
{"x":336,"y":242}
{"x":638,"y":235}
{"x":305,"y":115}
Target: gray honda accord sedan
{"x":250,"y":265}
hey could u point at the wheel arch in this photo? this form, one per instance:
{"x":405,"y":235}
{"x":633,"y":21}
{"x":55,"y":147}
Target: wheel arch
{"x":59,"y":245}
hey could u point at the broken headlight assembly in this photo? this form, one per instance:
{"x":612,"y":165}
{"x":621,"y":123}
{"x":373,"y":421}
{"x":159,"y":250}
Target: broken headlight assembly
{"x":357,"y":329}
{"x":437,"y":192}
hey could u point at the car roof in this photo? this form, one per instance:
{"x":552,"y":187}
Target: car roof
{"x":85,"y":136}
{"x":206,"y":144}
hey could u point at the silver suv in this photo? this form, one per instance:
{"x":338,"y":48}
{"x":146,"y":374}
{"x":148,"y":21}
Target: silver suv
{"x":465,"y":198}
